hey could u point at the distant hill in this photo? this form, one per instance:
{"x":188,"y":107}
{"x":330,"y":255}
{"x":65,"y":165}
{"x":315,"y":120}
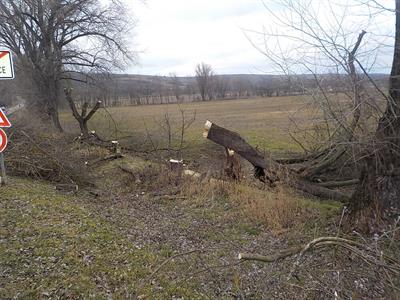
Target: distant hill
{"x":128,"y":89}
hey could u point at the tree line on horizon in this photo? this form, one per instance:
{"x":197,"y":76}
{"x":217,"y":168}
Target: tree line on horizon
{"x":126,"y":89}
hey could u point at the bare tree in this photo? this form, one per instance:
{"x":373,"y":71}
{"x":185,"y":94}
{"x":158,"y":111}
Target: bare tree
{"x":204,"y":78}
{"x":84,"y":116}
{"x":377,"y":198}
{"x":221,"y":87}
{"x":326,"y":44}
{"x":63,"y":40}
{"x":176,"y":87}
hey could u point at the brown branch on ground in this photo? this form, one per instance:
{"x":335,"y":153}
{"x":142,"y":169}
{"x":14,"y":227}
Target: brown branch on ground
{"x":106,"y":158}
{"x":334,"y":184}
{"x":367,"y":254}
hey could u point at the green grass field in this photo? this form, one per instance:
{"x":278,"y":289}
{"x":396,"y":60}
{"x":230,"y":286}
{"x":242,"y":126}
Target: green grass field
{"x":262,"y":121}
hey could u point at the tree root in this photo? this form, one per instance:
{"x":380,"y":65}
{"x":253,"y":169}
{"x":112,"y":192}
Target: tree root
{"x":365,"y":253}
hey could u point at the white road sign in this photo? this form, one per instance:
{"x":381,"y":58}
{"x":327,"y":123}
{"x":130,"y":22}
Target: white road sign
{"x":6,"y":65}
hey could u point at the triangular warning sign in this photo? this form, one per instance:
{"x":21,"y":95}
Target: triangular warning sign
{"x":4,"y":122}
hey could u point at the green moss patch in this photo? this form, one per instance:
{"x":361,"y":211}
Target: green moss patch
{"x":53,"y":246}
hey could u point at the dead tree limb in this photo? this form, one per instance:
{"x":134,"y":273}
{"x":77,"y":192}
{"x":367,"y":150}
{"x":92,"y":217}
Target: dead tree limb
{"x":297,"y":160}
{"x":325,"y":162}
{"x":270,"y":258}
{"x":102,"y":159}
{"x":266,"y":169}
{"x":367,"y":254}
{"x":317,"y":190}
{"x":334,"y":184}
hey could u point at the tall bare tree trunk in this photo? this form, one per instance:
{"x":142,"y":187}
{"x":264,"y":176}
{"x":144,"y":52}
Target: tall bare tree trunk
{"x":54,"y":117}
{"x":377,"y":198}
{"x":52,"y":97}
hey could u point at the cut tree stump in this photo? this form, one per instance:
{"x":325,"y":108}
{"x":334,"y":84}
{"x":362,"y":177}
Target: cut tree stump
{"x":233,"y":168}
{"x":267,"y":169}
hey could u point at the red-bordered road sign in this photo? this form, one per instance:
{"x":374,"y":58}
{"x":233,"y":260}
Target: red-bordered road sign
{"x":3,"y":140}
{"x":4,"y":122}
{"x":6,"y":65}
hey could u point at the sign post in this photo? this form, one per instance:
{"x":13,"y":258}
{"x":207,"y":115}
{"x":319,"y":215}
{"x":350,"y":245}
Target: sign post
{"x":3,"y":178}
{"x":6,"y":72}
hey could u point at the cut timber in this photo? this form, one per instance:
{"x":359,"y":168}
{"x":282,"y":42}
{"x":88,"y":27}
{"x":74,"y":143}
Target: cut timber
{"x":266,"y":169}
{"x":116,"y":147}
{"x":176,"y":165}
{"x":235,"y":142}
{"x":191,"y":173}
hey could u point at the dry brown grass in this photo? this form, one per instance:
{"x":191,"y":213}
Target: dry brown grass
{"x":279,"y":209}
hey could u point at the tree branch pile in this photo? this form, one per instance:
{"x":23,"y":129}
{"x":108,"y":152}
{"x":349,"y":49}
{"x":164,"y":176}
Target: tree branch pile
{"x":38,"y":152}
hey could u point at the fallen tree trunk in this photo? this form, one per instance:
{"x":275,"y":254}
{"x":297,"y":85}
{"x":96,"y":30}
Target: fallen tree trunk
{"x":233,"y":141}
{"x":267,"y":169}
{"x":317,"y":190}
{"x":326,"y":162}
{"x":106,"y":158}
{"x":300,"y":159}
{"x":333,"y":184}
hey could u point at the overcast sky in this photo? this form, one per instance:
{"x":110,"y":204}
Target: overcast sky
{"x":173,"y":36}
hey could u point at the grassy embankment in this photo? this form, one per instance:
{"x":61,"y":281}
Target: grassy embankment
{"x":57,"y":245}
{"x":62,"y":246}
